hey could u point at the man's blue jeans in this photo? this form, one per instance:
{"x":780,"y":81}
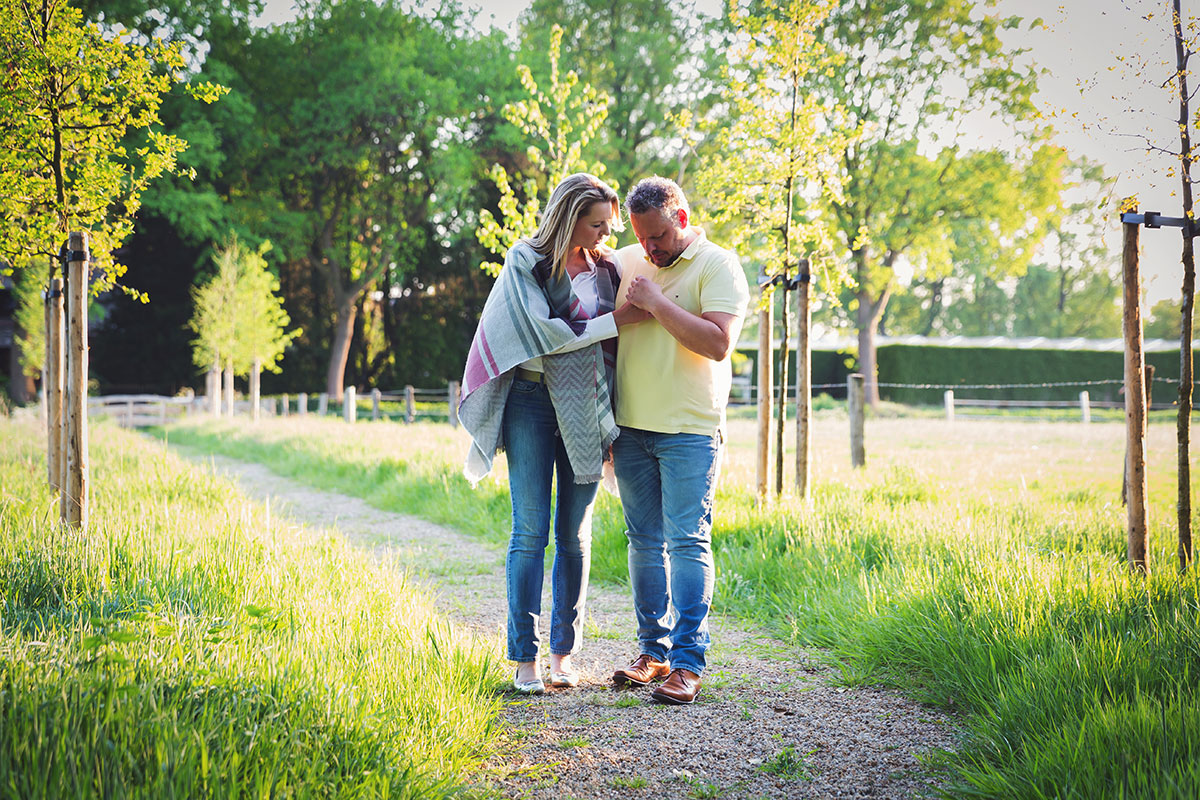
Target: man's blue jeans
{"x":667,"y":482}
{"x":535,"y":453}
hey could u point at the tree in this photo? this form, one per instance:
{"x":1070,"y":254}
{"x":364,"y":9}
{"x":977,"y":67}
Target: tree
{"x":910,"y":74}
{"x":69,"y":98}
{"x":1068,"y":288}
{"x":652,"y":58}
{"x":357,"y":104}
{"x":262,"y":322}
{"x":561,"y":121}
{"x":762,"y":174}
{"x":239,"y":319}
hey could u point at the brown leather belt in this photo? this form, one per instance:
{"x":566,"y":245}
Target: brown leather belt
{"x":530,"y":375}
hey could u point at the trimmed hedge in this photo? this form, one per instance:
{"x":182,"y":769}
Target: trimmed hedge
{"x":964,"y":366}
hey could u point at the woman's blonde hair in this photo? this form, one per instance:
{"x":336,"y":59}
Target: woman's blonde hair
{"x":569,"y":201}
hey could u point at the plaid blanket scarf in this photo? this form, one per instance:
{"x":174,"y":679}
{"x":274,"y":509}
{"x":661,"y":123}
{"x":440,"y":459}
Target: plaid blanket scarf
{"x":531,"y":313}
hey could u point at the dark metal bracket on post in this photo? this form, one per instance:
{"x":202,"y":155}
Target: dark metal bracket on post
{"x":1153,"y":219}
{"x":788,"y":284}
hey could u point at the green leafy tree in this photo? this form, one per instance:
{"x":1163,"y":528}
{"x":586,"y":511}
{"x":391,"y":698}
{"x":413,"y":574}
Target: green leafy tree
{"x":239,"y":319}
{"x":910,"y":75}
{"x":358,"y":106}
{"x":652,"y":58}
{"x":763,"y":173}
{"x":1066,"y":287}
{"x":71,"y":98}
{"x":561,"y":122}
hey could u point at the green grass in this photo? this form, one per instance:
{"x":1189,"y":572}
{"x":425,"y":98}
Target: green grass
{"x":187,"y":648}
{"x":977,"y":565}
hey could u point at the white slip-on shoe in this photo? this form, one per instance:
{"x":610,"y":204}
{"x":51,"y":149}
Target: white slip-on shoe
{"x":564,"y":680}
{"x":535,"y":686}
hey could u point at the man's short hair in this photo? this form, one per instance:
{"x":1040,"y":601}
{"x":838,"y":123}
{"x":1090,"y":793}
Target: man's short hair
{"x":658,"y":193}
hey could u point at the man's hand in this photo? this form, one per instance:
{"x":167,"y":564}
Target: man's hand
{"x":712,"y":335}
{"x":644,"y":293}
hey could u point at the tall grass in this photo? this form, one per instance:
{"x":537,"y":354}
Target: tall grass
{"x":979,"y":566}
{"x":188,"y":648}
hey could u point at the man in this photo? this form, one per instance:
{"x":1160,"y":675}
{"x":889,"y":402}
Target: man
{"x":672,"y":385}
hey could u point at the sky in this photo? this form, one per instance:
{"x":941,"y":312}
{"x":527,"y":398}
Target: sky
{"x":1099,"y":105}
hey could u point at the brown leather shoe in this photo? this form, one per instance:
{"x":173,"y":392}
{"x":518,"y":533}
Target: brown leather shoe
{"x":643,"y":670}
{"x":680,"y":688}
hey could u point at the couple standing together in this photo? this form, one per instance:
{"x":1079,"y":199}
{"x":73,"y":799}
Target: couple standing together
{"x":583,"y":351}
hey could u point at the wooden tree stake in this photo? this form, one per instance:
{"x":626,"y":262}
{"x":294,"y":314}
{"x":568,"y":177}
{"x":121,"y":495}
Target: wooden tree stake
{"x":1135,"y":404}
{"x":77,"y":380}
{"x":762,"y":471}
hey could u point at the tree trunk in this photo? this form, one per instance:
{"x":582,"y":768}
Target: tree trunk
{"x":1184,"y":420}
{"x":339,"y":353}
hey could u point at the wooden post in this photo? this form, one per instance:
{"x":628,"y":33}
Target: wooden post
{"x":453,"y":401}
{"x":762,"y":463}
{"x":285,"y":405}
{"x":375,"y":396}
{"x":302,"y":404}
{"x":1135,"y":403}
{"x":255,"y":389}
{"x":410,"y":405}
{"x":322,"y":404}
{"x":803,"y":383}
{"x":1085,"y":407}
{"x":56,"y":377}
{"x":228,"y":392}
{"x":350,"y":404}
{"x":948,"y":401}
{"x":77,"y":381}
{"x":856,"y":396}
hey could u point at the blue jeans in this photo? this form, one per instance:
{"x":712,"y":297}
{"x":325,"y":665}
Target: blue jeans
{"x":667,"y":482}
{"x":535,"y":454}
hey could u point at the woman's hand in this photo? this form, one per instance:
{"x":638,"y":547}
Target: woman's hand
{"x":628,"y":314}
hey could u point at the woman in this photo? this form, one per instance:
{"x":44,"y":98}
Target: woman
{"x":538,"y":383}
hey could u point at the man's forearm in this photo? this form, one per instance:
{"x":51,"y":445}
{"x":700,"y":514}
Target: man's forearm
{"x":702,"y":336}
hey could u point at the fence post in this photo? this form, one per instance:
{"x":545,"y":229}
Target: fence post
{"x":302,"y":404}
{"x":323,"y":404}
{"x":56,"y":376}
{"x":350,"y":404}
{"x":453,"y":400}
{"x":128,"y":414}
{"x":77,"y":379}
{"x":856,"y":395}
{"x":1085,"y":407}
{"x":1135,"y":403}
{"x":285,"y":403}
{"x":410,"y":405}
{"x":375,"y":395}
{"x":948,"y":399}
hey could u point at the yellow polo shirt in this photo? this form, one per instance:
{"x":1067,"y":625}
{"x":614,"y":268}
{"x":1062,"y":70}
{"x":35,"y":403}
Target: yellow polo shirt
{"x":661,"y":385}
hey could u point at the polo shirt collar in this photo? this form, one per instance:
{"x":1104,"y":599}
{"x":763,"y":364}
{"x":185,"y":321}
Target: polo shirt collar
{"x":690,"y":251}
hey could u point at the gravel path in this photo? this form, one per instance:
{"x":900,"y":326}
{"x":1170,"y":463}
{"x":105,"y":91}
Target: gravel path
{"x":769,"y":723}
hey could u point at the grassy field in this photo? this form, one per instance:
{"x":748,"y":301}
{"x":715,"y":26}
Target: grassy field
{"x":978,"y":565}
{"x":188,"y":647}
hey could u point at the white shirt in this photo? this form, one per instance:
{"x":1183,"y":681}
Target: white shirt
{"x":598,"y":328}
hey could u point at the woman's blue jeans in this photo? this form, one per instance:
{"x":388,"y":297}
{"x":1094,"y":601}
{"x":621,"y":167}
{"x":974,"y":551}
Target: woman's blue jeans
{"x":667,"y":482}
{"x":535,"y":454}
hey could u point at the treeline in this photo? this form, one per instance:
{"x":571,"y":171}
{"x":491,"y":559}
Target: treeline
{"x":358,"y":139}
